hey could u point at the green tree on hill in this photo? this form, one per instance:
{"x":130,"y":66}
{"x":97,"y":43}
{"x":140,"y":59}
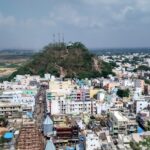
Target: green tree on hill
{"x":73,"y":60}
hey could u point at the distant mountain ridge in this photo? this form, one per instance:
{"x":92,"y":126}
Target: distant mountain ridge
{"x":73,"y":60}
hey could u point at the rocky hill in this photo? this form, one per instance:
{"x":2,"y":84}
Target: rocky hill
{"x":72,"y":60}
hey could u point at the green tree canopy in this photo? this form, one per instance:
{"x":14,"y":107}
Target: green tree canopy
{"x":123,"y":93}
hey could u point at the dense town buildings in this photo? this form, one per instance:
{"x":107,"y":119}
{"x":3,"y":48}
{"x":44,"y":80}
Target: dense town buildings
{"x":110,"y":113}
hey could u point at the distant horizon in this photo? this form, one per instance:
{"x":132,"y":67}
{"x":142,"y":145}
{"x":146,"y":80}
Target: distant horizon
{"x":91,"y":49}
{"x":100,"y":47}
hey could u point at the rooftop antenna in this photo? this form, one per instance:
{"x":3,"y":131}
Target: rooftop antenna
{"x":63,"y":38}
{"x":58,"y":38}
{"x":53,"y":38}
{"x":63,"y":42}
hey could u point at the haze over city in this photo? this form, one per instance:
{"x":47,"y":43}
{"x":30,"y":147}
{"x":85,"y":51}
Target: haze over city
{"x":97,"y":23}
{"x":74,"y":74}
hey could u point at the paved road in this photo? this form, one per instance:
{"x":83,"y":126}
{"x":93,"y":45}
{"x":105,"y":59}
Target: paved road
{"x":40,"y":107}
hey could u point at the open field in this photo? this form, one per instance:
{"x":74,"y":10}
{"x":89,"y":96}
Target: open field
{"x":11,"y":60}
{"x":6,"y":71}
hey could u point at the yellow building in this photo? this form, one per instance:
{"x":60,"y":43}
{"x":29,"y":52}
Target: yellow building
{"x":56,"y":85}
{"x":93,"y":92}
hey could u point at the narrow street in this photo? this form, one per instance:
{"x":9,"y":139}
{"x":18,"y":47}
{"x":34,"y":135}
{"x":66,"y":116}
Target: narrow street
{"x":40,"y":107}
{"x":39,"y":112}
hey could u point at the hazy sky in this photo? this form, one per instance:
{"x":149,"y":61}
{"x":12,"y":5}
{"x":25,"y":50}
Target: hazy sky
{"x":96,"y":23}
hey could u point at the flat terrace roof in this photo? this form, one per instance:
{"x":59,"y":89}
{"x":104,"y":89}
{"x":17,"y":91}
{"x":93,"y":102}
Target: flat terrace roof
{"x":119,"y":116}
{"x":8,"y":104}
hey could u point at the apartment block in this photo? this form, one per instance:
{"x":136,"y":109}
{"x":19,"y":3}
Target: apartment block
{"x":118,"y":123}
{"x":9,"y":109}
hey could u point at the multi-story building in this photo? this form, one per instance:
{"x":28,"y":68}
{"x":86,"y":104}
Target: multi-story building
{"x":67,"y":98}
{"x":140,"y":104}
{"x":25,"y":101}
{"x":10,"y":109}
{"x":66,"y":131}
{"x":127,"y":83}
{"x":57,"y":84}
{"x":148,"y":61}
{"x":73,"y":107}
{"x":122,"y":123}
{"x":139,"y":84}
{"x":118,"y":123}
{"x":92,"y":141}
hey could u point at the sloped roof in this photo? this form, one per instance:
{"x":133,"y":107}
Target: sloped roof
{"x":50,"y":145}
{"x":48,"y":120}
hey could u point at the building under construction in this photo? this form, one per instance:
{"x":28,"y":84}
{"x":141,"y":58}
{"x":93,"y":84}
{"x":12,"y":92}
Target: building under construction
{"x":30,"y":138}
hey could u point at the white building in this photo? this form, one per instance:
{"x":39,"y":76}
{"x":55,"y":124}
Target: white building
{"x":140,"y":105}
{"x":92,"y":141}
{"x":127,"y":83}
{"x":72,"y":107}
{"x":25,"y":101}
{"x":9,"y":109}
{"x":102,"y":107}
{"x":67,"y":98}
{"x":100,"y":96}
{"x":148,"y":61}
{"x":47,"y":76}
{"x":119,"y":123}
